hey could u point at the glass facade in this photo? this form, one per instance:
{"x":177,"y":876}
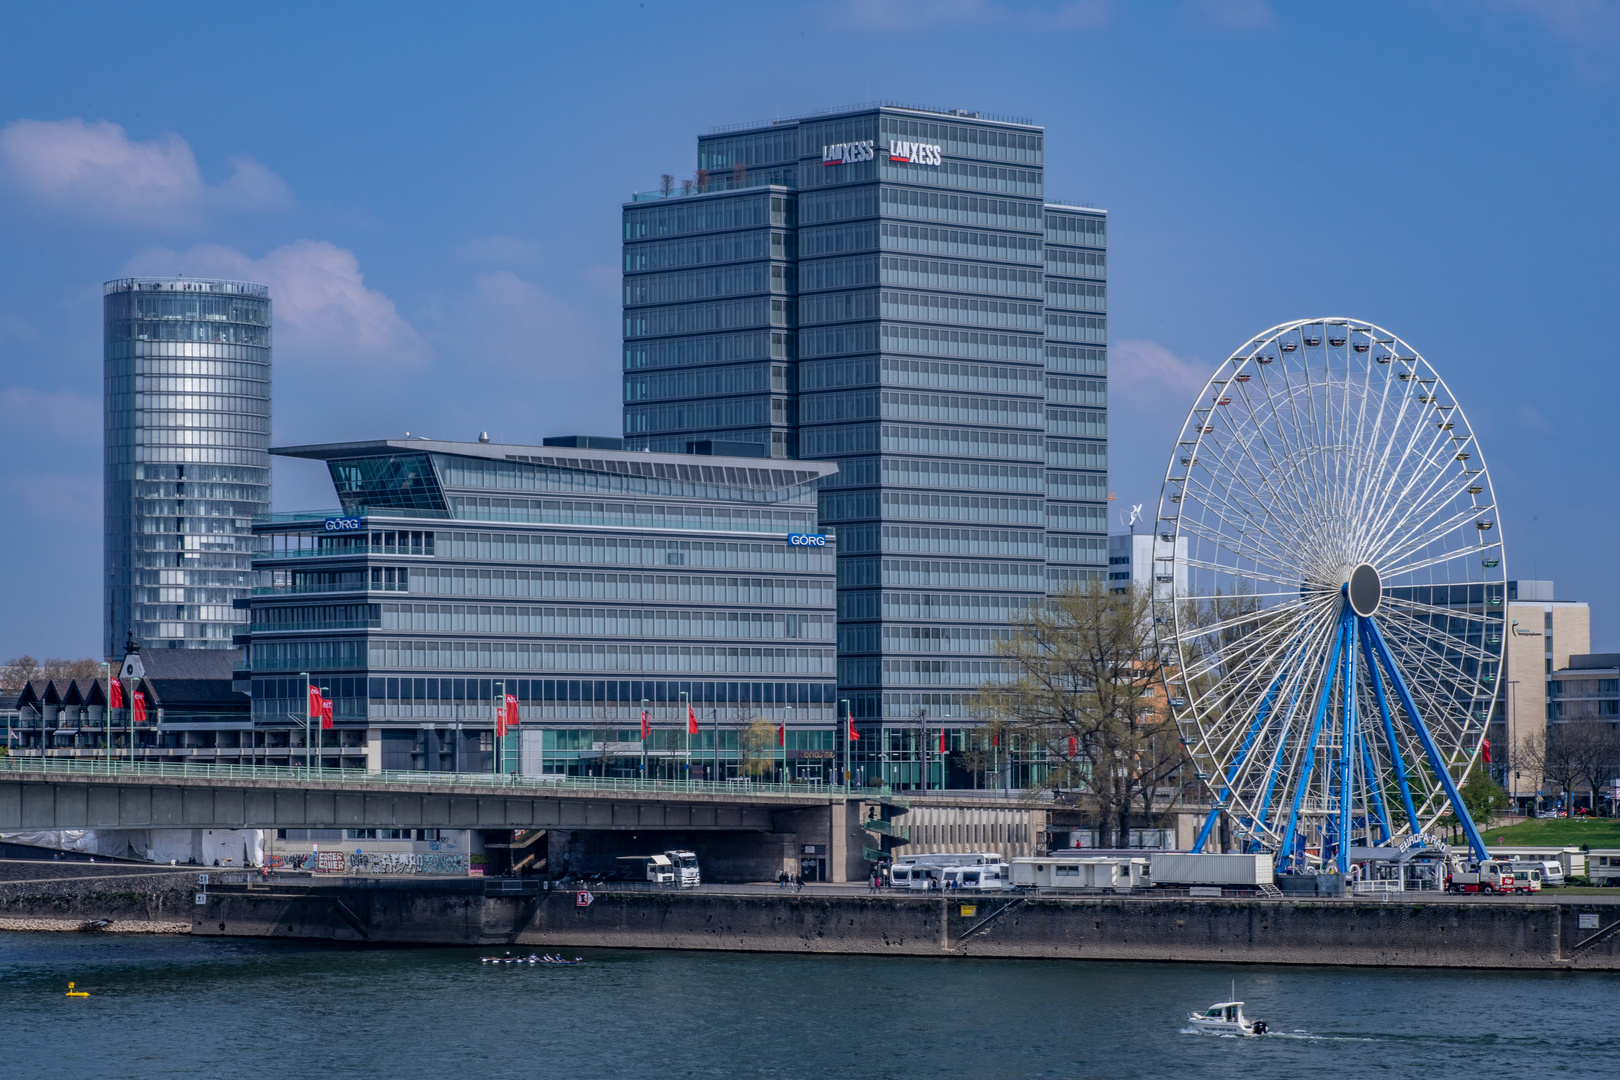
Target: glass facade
{"x":448,"y":572}
{"x":187,"y":456}
{"x":889,"y":289}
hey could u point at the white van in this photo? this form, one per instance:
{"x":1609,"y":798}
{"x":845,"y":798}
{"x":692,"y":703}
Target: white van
{"x":992,"y":877}
{"x":1551,"y":870}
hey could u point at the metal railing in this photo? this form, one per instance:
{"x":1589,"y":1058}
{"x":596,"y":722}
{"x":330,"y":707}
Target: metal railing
{"x":339,"y":778}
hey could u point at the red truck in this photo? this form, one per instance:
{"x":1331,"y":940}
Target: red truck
{"x":1490,"y":877}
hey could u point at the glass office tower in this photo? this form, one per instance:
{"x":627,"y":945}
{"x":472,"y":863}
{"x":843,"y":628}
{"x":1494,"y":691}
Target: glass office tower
{"x":187,"y":456}
{"x":888,"y":288}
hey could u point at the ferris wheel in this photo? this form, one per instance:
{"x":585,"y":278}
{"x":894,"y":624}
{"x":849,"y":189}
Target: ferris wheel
{"x":1329,"y":593}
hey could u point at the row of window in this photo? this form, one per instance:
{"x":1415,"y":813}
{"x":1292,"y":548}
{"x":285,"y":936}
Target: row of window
{"x":1072,"y":518}
{"x":1077,"y":422}
{"x":685,"y":285}
{"x":155,"y":437}
{"x":911,"y":405}
{"x":710,"y":250}
{"x":1076,"y":549}
{"x":708,"y":382}
{"x":931,"y":607}
{"x":1024,"y":577}
{"x":695,"y":415}
{"x":922,"y":239}
{"x":913,"y":472}
{"x":931,"y":540}
{"x":207,"y":410}
{"x":190,"y":358}
{"x":626,"y":551}
{"x":872,"y":671}
{"x":631,"y":692}
{"x":901,"y":371}
{"x":196,"y":307}
{"x":707,"y":215}
{"x":755,"y":148}
{"x":316,"y":617}
{"x":1066,"y":391}
{"x":966,"y":141}
{"x":917,"y":505}
{"x":1067,"y":485}
{"x":670,"y":588}
{"x":695,"y":518}
{"x":715,"y":315}
{"x":1090,"y":328}
{"x":934,"y":308}
{"x":711,"y":349}
{"x":856,"y":270}
{"x":177,"y":384}
{"x":214,"y":455}
{"x":951,"y":442}
{"x":870,"y":637}
{"x":210,"y":333}
{"x":646,"y":623}
{"x":1077,"y":359}
{"x":559,"y":471}
{"x":561,"y":656}
{"x":1075,"y":229}
{"x":1068,"y":453}
{"x":1076,"y":295}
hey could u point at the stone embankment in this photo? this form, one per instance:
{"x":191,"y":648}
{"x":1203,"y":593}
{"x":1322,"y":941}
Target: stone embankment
{"x":1436,"y":933}
{"x":104,"y":897}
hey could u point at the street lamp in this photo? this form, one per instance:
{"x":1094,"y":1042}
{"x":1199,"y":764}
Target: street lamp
{"x":645,"y":731}
{"x":686,"y":726}
{"x":495,"y":732}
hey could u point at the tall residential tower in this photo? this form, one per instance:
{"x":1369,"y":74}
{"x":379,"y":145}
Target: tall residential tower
{"x":888,"y":288}
{"x":187,"y":456}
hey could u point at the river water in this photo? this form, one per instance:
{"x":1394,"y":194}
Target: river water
{"x":243,"y":1009}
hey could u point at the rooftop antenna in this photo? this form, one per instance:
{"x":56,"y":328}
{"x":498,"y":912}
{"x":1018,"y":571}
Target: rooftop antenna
{"x":1130,"y":520}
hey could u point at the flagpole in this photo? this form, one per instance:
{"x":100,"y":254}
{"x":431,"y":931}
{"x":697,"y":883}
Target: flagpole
{"x":320,"y":750}
{"x":644,"y":738}
{"x":304,"y":675}
{"x":849,"y":722}
{"x":686,"y":726}
{"x":106,"y":718}
{"x":500,"y":706}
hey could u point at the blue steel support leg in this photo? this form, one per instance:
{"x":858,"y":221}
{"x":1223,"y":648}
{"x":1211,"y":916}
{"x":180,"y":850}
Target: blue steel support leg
{"x":1476,"y":843}
{"x":1332,"y":670}
{"x":1347,"y":736}
{"x":1237,"y":762}
{"x":1380,"y":810}
{"x":1395,"y":759}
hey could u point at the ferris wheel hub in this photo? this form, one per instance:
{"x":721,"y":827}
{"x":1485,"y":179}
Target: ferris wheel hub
{"x":1364,"y":588}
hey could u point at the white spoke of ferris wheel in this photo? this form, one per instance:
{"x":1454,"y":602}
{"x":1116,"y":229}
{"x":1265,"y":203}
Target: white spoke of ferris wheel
{"x":1289,"y":492}
{"x":1290,"y":585}
{"x":1211,"y":498}
{"x":1396,"y":571}
{"x":1434,"y":462}
{"x":1253,"y":672}
{"x":1411,"y":545}
{"x":1299,"y":665}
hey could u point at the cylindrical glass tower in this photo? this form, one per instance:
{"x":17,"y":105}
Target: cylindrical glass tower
{"x":187,"y":416}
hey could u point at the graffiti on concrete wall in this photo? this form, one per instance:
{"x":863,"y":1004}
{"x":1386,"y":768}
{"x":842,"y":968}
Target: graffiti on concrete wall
{"x":388,"y":862}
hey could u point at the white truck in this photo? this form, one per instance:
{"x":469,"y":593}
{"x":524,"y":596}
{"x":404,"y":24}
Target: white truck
{"x":1179,"y":869}
{"x":654,"y":868}
{"x":685,"y":865}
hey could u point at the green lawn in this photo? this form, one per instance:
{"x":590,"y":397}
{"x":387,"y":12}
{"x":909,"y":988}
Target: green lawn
{"x":1556,"y":832}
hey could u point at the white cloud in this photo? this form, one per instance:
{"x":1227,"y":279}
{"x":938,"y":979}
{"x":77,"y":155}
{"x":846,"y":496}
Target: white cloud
{"x":95,"y":169}
{"x":322,"y":308}
{"x":515,"y":324}
{"x":499,"y":251}
{"x":1233,"y":14}
{"x":1587,"y":26}
{"x":1148,"y":372}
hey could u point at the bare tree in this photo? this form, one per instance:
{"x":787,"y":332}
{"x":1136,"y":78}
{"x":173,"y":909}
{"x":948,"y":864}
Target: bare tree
{"x":1527,"y":759}
{"x":739,"y":175}
{"x":666,"y":185}
{"x":1587,"y":748}
{"x":21,"y":669}
{"x":701,"y":179}
{"x":757,"y":748}
{"x":1084,"y":687}
{"x":1601,"y":765}
{"x":1566,"y":755}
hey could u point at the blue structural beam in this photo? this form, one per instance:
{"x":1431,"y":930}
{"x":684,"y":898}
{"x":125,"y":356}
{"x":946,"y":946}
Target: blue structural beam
{"x":1395,"y":760}
{"x":1287,"y":849}
{"x":1476,"y":843}
{"x":1347,"y":740}
{"x":1380,"y":810}
{"x":1237,"y":762}
{"x":1276,"y":759}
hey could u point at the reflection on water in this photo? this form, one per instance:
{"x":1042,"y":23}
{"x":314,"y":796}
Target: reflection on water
{"x":212,"y":1007}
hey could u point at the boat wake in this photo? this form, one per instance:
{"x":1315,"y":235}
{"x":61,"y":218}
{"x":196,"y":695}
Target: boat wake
{"x":1319,"y":1038}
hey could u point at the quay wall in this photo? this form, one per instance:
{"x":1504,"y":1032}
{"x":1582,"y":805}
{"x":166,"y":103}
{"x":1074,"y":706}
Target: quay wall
{"x":1435,"y":933}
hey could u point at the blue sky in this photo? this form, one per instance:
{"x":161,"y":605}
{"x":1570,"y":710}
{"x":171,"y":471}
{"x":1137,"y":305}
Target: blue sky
{"x":432,"y":192}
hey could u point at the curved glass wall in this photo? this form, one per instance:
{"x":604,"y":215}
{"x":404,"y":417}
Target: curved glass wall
{"x":187,"y":456}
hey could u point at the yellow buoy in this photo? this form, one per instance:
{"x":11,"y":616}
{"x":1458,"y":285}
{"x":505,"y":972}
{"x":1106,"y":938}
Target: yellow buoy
{"x":76,"y":993}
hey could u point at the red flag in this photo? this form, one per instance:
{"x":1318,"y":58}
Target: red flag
{"x":326,"y":714}
{"x":995,"y":738}
{"x":1487,"y":751}
{"x":314,"y":706}
{"x":1074,"y":745}
{"x":853,"y":734}
{"x":942,"y":740}
{"x":781,"y":734}
{"x":646,"y":725}
{"x":691,"y":721}
{"x":115,"y":694}
{"x":511,"y":719}
{"x":140,"y":707}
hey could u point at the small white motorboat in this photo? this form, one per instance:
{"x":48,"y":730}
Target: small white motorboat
{"x":1226,"y":1018}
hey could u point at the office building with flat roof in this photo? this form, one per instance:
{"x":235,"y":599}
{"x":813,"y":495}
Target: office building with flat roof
{"x":889,"y":288}
{"x":590,"y":583}
{"x":187,"y":462}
